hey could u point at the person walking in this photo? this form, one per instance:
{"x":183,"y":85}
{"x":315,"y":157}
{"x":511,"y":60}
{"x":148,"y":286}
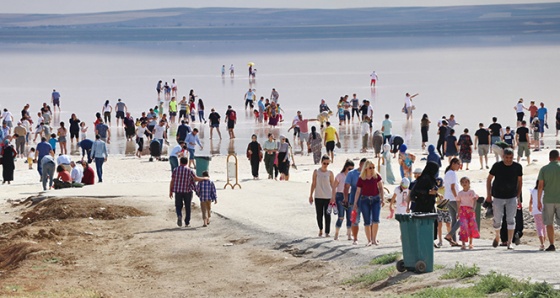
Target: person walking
{"x":315,"y":143}
{"x":206,"y":191}
{"x":519,"y":107}
{"x":255,"y":156}
{"x":321,"y":193}
{"x":349,"y":192}
{"x":542,"y":114}
{"x":503,"y":185}
{"x":121,"y":110}
{"x":368,"y":193}
{"x":99,"y":154}
{"x":107,"y":109}
{"x":549,"y":184}
{"x":451,"y":185}
{"x":329,"y":140}
{"x":192,"y":140}
{"x":424,"y":128}
{"x":8,"y":164}
{"x":231,"y":120}
{"x":182,"y":184}
{"x":523,"y":145}
{"x":482,"y":140}
{"x":270,"y":148}
{"x":337,"y":199}
{"x":408,"y":107}
{"x":48,"y":166}
{"x":465,"y":149}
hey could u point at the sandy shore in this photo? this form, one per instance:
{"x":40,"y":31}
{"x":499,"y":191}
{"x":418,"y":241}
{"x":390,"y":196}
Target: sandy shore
{"x":266,"y":230}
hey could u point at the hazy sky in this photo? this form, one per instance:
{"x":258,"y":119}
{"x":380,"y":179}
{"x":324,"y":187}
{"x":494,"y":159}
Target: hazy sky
{"x":86,"y":6}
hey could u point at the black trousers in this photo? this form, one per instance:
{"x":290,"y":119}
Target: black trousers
{"x":321,"y":210}
{"x":255,"y":167}
{"x":440,"y":150}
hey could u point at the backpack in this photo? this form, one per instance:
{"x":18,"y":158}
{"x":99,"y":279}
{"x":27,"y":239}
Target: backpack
{"x":232,"y":115}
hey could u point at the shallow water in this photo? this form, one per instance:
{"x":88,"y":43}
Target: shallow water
{"x":473,"y":82}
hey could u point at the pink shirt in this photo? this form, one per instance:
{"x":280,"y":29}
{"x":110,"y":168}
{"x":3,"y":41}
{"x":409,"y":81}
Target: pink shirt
{"x":467,"y":198}
{"x":303,"y":127}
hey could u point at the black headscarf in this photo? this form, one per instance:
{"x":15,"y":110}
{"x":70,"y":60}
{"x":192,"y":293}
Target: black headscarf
{"x":420,"y":193}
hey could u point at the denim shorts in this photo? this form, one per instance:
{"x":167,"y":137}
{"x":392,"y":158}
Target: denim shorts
{"x":370,"y":206}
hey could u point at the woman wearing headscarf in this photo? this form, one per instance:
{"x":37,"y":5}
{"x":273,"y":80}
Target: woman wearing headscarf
{"x":387,"y":157}
{"x":424,"y":191}
{"x":405,"y":161}
{"x":8,"y":165}
{"x":316,"y":144}
{"x":254,"y":154}
{"x":284,"y":158}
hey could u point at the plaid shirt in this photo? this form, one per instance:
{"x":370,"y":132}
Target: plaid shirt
{"x":183,"y":180}
{"x":206,"y":191}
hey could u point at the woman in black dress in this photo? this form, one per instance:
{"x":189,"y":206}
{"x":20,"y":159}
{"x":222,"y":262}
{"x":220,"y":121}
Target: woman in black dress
{"x":74,"y":128}
{"x":8,"y":165}
{"x":254,"y":154}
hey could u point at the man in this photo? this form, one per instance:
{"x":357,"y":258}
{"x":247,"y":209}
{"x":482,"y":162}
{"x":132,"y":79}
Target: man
{"x":183,"y":184}
{"x":249,"y":96}
{"x":523,"y":145}
{"x":214,"y":118}
{"x":8,"y":118}
{"x":442,"y":133}
{"x":408,"y":105}
{"x":329,"y":140}
{"x":296,"y":128}
{"x":355,"y":106}
{"x":175,"y":154}
{"x":47,"y":173}
{"x":43,"y":149}
{"x":231,"y":71}
{"x":89,"y":175}
{"x":451,"y":122}
{"x":77,"y":172}
{"x":160,"y":134}
{"x":231,"y":120}
{"x":368,"y":112}
{"x":121,"y":109}
{"x":482,"y":140}
{"x":274,"y":95}
{"x":129,"y":126}
{"x":182,"y":131}
{"x":374,"y":79}
{"x":504,"y":185}
{"x":20,"y":132}
{"x":323,"y":107}
{"x":99,"y":154}
{"x":496,"y":131}
{"x":86,"y":146}
{"x":533,"y":111}
{"x":55,"y":100}
{"x":103,"y":131}
{"x":64,"y":161}
{"x":191,"y":141}
{"x":542,"y":113}
{"x":386,"y":127}
{"x":549,"y":182}
{"x":303,"y":125}
{"x":262,"y":108}
{"x":351,"y":184}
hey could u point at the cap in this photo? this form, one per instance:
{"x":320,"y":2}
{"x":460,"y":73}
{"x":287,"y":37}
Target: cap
{"x":405,"y":183}
{"x":417,"y":171}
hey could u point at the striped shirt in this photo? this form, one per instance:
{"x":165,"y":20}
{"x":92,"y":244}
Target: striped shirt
{"x":206,"y":191}
{"x":183,"y":180}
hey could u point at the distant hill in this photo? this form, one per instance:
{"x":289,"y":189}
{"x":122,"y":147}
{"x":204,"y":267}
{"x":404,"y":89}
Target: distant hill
{"x":243,"y":23}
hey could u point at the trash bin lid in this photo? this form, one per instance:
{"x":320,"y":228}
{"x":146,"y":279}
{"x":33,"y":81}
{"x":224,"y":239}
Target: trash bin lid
{"x":424,"y":215}
{"x":203,"y":157}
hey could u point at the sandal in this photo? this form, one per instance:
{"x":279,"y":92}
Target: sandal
{"x":451,"y":241}
{"x":471,"y":246}
{"x":495,"y":243}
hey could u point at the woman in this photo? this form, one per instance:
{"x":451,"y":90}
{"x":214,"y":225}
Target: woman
{"x":201,"y":111}
{"x":62,"y":132}
{"x":369,"y":188}
{"x":74,"y":127}
{"x":387,"y":157}
{"x":63,"y":174}
{"x":450,"y":146}
{"x":284,"y":158}
{"x":316,"y":144}
{"x":338,"y":198}
{"x":273,"y":115}
{"x":465,"y":149}
{"x":405,"y":161}
{"x":519,"y":107}
{"x":192,"y":96}
{"x":107,"y":110}
{"x":424,"y":127}
{"x":98,"y":119}
{"x":322,"y":185}
{"x":424,"y":191}
{"x":451,"y":184}
{"x":270,"y":148}
{"x":254,"y":154}
{"x":192,"y":108}
{"x":8,"y":164}
{"x":89,"y":174}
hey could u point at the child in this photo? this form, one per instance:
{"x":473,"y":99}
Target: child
{"x":38,"y":131}
{"x":509,"y":136}
{"x":83,"y":131}
{"x":466,"y":200}
{"x":206,"y":191}
{"x":400,"y":198}
{"x":442,"y":211}
{"x":537,"y":215}
{"x":30,"y":157}
{"x":256,"y":113}
{"x":53,"y":142}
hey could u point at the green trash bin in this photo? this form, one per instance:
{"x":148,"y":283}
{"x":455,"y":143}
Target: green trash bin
{"x":202,"y":164}
{"x":417,"y":237}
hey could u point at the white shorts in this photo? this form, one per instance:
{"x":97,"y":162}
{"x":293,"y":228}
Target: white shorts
{"x":303,"y":136}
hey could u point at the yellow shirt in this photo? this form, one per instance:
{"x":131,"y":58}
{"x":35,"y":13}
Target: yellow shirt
{"x":330,"y":134}
{"x":173,"y":106}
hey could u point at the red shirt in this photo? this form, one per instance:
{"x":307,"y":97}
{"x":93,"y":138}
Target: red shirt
{"x":89,"y":176}
{"x":64,"y":176}
{"x":369,"y":186}
{"x":533,"y":110}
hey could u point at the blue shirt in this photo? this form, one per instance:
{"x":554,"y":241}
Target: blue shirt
{"x":43,"y":149}
{"x":352,"y":180}
{"x":55,"y":95}
{"x":192,"y":140}
{"x":86,"y":144}
{"x":261,"y":106}
{"x":99,"y":149}
{"x":53,"y":142}
{"x":182,"y":132}
{"x":1,"y":135}
{"x":387,"y":125}
{"x":542,"y":112}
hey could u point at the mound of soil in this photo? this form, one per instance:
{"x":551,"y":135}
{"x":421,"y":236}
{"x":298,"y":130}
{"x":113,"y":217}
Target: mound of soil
{"x":11,"y":255}
{"x":74,"y":208}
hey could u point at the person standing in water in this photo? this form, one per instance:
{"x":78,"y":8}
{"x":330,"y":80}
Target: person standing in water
{"x":408,"y":105}
{"x":374,"y":79}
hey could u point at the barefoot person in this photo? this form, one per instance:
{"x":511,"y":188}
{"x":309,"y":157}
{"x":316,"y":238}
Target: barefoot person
{"x":504,"y":184}
{"x":549,"y":183}
{"x":408,"y":105}
{"x":321,"y":186}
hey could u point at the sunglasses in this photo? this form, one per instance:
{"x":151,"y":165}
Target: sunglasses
{"x":325,"y":163}
{"x":371,"y":168}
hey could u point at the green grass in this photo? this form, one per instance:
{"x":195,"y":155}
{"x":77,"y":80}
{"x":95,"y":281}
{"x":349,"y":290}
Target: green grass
{"x":372,"y":277}
{"x":439,"y":267}
{"x":386,"y":259}
{"x":494,"y":283}
{"x":461,"y":272}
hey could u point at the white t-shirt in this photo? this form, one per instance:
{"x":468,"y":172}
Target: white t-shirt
{"x":534,"y":194}
{"x":341,"y":178}
{"x":7,"y":116}
{"x":175,"y":151}
{"x":141,"y":132}
{"x":370,"y":112}
{"x":373,"y":76}
{"x":77,"y":173}
{"x":364,"y":128}
{"x":449,"y":179}
{"x":107,"y":108}
{"x":408,"y":102}
{"x":519,"y":108}
{"x":400,"y":200}
{"x":158,"y":133}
